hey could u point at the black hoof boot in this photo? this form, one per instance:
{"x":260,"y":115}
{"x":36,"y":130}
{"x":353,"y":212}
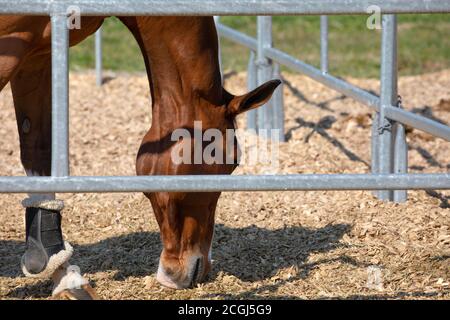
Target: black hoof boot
{"x":43,"y":238}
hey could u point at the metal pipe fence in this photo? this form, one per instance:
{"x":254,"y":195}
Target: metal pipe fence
{"x":369,"y":99}
{"x":389,"y":146}
{"x":264,"y":63}
{"x":98,"y":57}
{"x":220,"y":7}
{"x":60,"y":95}
{"x":210,"y":183}
{"x":324,"y":44}
{"x":388,"y":97}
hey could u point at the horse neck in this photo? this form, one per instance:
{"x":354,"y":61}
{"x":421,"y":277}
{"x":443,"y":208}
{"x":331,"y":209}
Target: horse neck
{"x":185,"y":78}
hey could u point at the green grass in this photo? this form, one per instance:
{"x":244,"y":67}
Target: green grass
{"x":354,"y":50}
{"x":120,"y":50}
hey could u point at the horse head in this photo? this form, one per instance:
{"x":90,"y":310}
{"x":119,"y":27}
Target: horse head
{"x":189,"y":107}
{"x":186,"y":219}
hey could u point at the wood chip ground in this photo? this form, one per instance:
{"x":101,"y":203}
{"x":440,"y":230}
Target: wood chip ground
{"x":283,"y":245}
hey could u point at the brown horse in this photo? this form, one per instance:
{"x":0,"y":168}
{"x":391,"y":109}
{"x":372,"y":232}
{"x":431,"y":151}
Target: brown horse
{"x":181,"y":58}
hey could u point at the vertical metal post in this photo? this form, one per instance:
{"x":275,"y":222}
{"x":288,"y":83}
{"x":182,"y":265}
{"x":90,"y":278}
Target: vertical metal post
{"x":278,"y":104}
{"x":60,"y":95}
{"x":388,"y":97}
{"x":217,"y":21}
{"x":264,"y":67}
{"x":324,"y":44}
{"x":98,"y":57}
{"x":400,"y":157}
{"x":252,"y":83}
{"x":374,"y":148}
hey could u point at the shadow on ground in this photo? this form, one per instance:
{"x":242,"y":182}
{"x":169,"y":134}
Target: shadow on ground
{"x":250,"y":254}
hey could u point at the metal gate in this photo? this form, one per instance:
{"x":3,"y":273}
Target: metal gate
{"x":389,"y":164}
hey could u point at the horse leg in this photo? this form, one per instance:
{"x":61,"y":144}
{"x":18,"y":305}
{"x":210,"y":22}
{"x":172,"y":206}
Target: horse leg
{"x":47,"y":255}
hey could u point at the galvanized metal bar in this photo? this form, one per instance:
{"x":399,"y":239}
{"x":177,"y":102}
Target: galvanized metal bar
{"x":264,"y":68}
{"x":219,"y":49}
{"x":400,"y":159}
{"x":222,"y":7}
{"x":252,"y":83}
{"x":60,"y":167}
{"x":211,"y":183}
{"x":238,"y":37}
{"x":60,"y":95}
{"x":98,"y":57}
{"x":427,"y":125}
{"x":278,"y":104}
{"x":324,"y":43}
{"x":388,"y":97}
{"x":400,"y":156}
{"x":418,"y":122}
{"x":432,"y":127}
{"x":374,"y":144}
{"x":334,"y":83}
{"x":374,"y":157}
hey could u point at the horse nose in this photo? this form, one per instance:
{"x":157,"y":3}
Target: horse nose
{"x":176,"y":276}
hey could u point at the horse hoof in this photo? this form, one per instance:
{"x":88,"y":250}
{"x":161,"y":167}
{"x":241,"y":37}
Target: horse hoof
{"x":85,"y":292}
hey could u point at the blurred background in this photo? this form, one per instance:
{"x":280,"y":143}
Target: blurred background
{"x":424,"y":45}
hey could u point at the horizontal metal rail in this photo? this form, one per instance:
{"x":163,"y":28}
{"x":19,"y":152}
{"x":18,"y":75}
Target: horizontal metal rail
{"x":209,"y":183}
{"x":222,"y":7}
{"x":427,"y":125}
{"x":419,"y":122}
{"x":236,"y":36}
{"x":212,"y":183}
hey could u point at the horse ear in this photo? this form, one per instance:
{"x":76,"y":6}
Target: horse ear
{"x":253,"y":99}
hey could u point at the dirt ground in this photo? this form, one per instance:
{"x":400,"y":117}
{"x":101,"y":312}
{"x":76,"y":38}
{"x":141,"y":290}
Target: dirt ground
{"x":288,"y":245}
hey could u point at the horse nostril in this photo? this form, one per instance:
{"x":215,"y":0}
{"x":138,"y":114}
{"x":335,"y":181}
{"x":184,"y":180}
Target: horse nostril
{"x":196,"y":271}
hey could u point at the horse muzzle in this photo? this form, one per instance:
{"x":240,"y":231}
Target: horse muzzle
{"x":183,"y":275}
